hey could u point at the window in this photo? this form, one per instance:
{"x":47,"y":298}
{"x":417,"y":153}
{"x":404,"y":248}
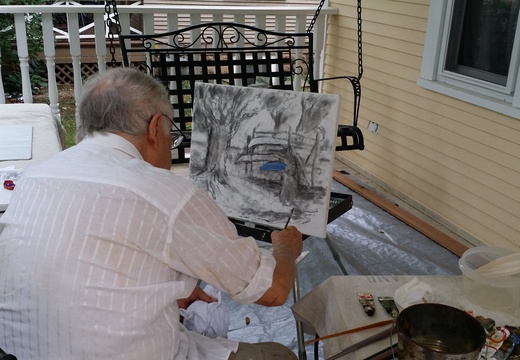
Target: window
{"x":472,"y":52}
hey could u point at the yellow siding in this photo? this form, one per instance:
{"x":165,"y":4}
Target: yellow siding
{"x":458,"y":162}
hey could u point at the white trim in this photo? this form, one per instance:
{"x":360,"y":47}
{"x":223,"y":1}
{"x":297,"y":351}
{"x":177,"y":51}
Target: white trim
{"x":501,"y":99}
{"x":432,"y":44}
{"x":472,"y":98}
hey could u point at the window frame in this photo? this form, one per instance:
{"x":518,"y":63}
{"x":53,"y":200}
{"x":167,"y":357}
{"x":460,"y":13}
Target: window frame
{"x":503,"y":99}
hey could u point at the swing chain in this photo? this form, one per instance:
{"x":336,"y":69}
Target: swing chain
{"x":112,"y":23}
{"x":360,"y":41}
{"x":315,"y":17}
{"x":359,"y":33}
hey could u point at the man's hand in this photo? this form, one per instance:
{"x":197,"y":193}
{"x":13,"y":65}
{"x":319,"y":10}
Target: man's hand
{"x":197,"y":294}
{"x":287,"y":242}
{"x":287,"y":246}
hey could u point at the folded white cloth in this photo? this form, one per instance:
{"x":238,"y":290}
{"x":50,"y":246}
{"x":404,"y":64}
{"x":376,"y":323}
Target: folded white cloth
{"x":413,"y":292}
{"x":209,"y":319}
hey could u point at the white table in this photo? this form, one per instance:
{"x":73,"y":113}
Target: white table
{"x":48,"y":136}
{"x":333,"y":307}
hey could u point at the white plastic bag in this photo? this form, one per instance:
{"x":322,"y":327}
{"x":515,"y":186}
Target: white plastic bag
{"x":209,"y":319}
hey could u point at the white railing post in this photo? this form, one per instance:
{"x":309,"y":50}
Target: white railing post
{"x":260,"y":21}
{"x":2,"y":93}
{"x":240,"y":43}
{"x":23,"y":56}
{"x":124,"y":20}
{"x":173,"y":24}
{"x":50,"y":54}
{"x":75,"y":53}
{"x":301,"y":23}
{"x":148,"y":28}
{"x":280,"y":23}
{"x":101,"y":44}
{"x":195,"y":19}
{"x":240,"y":18}
{"x":320,"y":28}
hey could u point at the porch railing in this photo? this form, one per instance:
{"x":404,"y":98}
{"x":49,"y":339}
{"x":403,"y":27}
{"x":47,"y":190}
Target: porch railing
{"x":154,"y":19}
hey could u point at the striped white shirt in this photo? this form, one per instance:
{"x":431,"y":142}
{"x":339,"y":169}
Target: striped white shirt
{"x":97,"y":245}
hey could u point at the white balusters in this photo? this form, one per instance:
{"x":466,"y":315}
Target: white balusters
{"x":2,"y":93}
{"x":260,"y":21}
{"x":75,"y":53}
{"x":301,"y":22}
{"x":50,"y":54}
{"x":148,"y":28}
{"x":101,"y":46}
{"x":281,"y":17}
{"x":23,"y":56}
{"x":320,"y":29}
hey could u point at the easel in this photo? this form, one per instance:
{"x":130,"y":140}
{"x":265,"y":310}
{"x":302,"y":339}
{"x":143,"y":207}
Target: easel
{"x":338,"y":205}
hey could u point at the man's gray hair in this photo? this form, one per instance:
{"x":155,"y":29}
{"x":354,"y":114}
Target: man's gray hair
{"x":120,"y":100}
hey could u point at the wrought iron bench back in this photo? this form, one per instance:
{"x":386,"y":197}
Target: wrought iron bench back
{"x":222,"y":53}
{"x":228,"y":53}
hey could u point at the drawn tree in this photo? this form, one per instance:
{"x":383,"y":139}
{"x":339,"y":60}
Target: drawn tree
{"x":314,"y":110}
{"x":221,"y":111}
{"x":276,"y":104}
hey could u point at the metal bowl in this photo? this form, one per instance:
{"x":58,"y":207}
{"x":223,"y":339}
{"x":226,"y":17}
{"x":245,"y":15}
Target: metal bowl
{"x":436,"y":331}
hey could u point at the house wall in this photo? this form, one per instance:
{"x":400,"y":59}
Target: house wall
{"x":457,"y":162}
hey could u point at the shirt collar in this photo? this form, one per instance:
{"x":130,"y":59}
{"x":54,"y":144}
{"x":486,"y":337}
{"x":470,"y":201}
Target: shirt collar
{"x":113,"y":141}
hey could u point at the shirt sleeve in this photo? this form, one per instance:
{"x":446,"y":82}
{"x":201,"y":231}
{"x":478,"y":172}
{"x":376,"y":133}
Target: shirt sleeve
{"x":205,"y":244}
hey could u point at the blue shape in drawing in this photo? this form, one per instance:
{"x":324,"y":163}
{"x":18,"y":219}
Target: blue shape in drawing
{"x":273,"y":166}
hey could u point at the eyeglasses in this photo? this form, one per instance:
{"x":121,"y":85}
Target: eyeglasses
{"x":177,"y":134}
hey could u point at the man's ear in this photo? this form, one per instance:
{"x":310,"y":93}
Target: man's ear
{"x":153,"y":131}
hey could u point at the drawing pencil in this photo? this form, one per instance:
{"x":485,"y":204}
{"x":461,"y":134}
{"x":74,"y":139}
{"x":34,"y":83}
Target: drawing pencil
{"x":289,"y":219}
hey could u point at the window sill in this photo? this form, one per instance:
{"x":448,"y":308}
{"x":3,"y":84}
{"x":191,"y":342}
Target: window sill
{"x":503,"y":107}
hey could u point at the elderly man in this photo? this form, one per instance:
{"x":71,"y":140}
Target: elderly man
{"x":101,"y":243}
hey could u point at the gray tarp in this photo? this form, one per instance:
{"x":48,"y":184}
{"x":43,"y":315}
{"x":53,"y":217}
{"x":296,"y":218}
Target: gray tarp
{"x":369,"y":241}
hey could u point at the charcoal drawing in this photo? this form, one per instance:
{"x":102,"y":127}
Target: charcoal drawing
{"x":260,"y":153}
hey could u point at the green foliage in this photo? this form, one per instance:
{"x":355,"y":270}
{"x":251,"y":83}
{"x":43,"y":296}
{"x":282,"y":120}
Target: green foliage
{"x":11,"y":75}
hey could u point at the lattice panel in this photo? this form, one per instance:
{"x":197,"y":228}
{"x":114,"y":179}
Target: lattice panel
{"x":65,"y":72}
{"x":89,"y":69}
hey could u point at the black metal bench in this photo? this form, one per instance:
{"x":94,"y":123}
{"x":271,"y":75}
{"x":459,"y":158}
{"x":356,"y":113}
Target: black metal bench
{"x":229,"y":53}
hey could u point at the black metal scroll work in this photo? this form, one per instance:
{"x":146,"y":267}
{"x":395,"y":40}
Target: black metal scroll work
{"x":222,"y":53}
{"x":229,"y":46}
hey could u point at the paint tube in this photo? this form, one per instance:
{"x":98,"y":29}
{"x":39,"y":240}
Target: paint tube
{"x":388,"y":303}
{"x":367,"y":301}
{"x":494,"y":342}
{"x":508,"y":346}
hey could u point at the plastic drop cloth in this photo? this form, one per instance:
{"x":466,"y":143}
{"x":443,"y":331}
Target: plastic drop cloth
{"x":369,"y":241}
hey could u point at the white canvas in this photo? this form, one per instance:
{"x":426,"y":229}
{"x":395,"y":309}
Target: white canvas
{"x":261,"y":153}
{"x":16,"y":142}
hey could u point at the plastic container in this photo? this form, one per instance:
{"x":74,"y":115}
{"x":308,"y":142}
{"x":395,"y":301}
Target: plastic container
{"x":490,"y":292}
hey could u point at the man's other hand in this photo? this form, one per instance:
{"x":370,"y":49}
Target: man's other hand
{"x":197,"y":294}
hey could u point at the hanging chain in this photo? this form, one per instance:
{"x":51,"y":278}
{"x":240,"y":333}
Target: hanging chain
{"x":112,"y":24}
{"x":315,"y":17}
{"x":360,"y":41}
{"x":359,"y":33}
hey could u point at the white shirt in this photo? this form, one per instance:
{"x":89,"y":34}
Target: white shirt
{"x":97,"y":245}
